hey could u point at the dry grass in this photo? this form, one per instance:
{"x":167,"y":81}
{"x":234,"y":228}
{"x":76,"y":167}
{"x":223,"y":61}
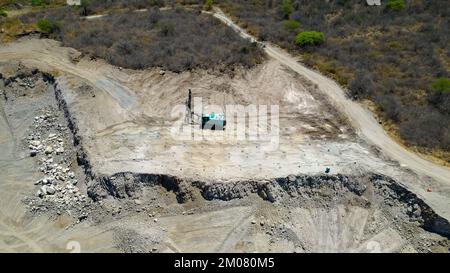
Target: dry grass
{"x":14,"y":27}
{"x":176,"y":39}
{"x":437,"y":156}
{"x":390,"y":58}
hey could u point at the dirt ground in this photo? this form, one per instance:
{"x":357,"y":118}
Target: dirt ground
{"x":162,"y":194}
{"x":141,"y":140}
{"x":132,"y":110}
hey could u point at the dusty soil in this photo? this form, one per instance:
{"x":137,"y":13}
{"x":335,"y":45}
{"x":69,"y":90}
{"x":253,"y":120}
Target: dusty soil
{"x":430,"y":175}
{"x":21,"y":229}
{"x":148,"y":192}
{"x":131,"y":131}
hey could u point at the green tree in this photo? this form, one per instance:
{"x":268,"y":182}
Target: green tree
{"x":288,"y":8}
{"x":3,"y":13}
{"x":208,"y":4}
{"x":396,"y":5}
{"x":46,"y":26}
{"x":309,"y":38}
{"x":39,"y":3}
{"x":440,"y":95}
{"x":291,"y":25}
{"x":36,"y":3}
{"x":84,"y":4}
{"x":441,"y":85}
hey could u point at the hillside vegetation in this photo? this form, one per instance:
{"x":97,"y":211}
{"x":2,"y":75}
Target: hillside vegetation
{"x":14,"y":4}
{"x":393,"y":55}
{"x":175,"y":39}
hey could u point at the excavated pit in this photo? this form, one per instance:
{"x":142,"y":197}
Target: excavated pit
{"x":365,"y":212}
{"x":364,"y":191}
{"x":324,"y":190}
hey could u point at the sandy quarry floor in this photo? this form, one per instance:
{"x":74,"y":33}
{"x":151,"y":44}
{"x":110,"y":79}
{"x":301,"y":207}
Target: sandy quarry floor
{"x":126,"y":116}
{"x":18,"y":231}
{"x":158,"y":223}
{"x":140,"y":140}
{"x":124,"y":120}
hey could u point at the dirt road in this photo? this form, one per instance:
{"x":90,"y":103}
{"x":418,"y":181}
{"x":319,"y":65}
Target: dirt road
{"x":362,"y":119}
{"x":48,"y":59}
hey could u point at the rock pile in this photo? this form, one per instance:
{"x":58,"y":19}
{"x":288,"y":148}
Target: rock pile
{"x":26,"y":82}
{"x":58,"y":189}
